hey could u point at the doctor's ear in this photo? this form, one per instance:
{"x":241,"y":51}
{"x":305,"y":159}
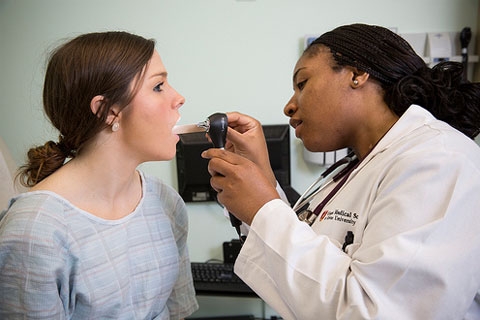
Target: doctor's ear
{"x":358,"y":78}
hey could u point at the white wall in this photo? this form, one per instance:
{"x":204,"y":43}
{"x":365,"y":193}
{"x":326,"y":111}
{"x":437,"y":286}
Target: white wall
{"x":222,"y":55}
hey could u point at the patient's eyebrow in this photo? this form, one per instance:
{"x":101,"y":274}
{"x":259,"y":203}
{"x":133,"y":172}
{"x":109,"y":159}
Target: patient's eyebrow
{"x":160,"y":74}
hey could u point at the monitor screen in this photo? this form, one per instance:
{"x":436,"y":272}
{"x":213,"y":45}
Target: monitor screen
{"x":192,"y":173}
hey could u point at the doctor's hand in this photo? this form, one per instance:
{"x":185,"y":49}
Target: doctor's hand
{"x":241,"y":185}
{"x":247,"y":140}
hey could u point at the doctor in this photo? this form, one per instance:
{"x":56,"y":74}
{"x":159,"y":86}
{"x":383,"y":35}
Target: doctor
{"x":397,"y":234}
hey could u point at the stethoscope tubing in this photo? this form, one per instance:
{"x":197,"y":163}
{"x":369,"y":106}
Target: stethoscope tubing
{"x":330,"y":175}
{"x":304,"y":199}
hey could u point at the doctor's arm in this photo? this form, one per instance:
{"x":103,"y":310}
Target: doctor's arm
{"x":416,"y":260}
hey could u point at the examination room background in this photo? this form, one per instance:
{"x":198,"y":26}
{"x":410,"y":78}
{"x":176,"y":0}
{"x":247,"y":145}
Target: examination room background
{"x":221,"y":55}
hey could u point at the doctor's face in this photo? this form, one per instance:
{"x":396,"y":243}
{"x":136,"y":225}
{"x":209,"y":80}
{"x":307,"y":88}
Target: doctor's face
{"x":319,"y":108}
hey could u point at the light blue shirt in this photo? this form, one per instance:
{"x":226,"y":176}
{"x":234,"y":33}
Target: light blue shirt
{"x":60,"y":262}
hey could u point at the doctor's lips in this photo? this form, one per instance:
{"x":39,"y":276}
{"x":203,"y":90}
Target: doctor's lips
{"x":294,"y":123}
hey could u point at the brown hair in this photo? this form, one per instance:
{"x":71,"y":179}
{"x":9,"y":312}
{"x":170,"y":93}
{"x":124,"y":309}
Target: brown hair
{"x":89,"y":65}
{"x":404,"y":76}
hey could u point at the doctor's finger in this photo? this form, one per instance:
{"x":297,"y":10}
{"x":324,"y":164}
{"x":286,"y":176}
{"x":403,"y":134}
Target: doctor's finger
{"x":242,"y":122}
{"x":225,"y":155}
{"x":224,"y":166}
{"x":216,"y":167}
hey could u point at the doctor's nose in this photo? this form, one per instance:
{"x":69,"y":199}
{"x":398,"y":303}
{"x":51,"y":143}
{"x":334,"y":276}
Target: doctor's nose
{"x":290,"y":108}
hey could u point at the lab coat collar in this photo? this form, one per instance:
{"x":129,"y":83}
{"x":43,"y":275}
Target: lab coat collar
{"x":413,"y":118}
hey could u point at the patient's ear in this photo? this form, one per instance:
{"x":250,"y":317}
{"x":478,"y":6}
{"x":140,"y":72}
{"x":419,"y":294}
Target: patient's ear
{"x":98,"y":102}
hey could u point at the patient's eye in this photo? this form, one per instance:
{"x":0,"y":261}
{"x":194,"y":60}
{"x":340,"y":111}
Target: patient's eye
{"x":158,"y":87}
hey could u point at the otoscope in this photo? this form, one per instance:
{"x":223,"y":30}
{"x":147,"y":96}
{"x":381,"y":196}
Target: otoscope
{"x":217,"y":125}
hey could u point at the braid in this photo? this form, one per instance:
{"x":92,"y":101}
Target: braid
{"x":441,"y":91}
{"x":404,"y":76}
{"x":373,"y":49}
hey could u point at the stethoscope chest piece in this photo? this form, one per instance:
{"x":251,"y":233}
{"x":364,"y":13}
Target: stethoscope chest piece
{"x":307,"y":216}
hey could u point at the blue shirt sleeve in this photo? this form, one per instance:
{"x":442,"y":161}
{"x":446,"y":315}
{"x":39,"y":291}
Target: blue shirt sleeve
{"x":32,"y":263}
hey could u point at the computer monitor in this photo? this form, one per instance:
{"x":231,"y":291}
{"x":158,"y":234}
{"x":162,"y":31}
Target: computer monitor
{"x":192,"y":173}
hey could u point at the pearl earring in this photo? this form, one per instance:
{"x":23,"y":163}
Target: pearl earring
{"x":355,"y":82}
{"x":115,"y":126}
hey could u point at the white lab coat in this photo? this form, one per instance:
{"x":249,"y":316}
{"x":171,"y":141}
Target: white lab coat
{"x":413,"y":205}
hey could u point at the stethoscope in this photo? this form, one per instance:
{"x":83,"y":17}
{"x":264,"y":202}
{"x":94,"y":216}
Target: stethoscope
{"x":334,"y":173}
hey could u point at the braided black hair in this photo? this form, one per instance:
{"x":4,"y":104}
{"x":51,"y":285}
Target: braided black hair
{"x":404,"y":76}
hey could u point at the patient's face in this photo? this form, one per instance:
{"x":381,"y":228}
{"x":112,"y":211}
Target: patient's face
{"x":148,"y":121}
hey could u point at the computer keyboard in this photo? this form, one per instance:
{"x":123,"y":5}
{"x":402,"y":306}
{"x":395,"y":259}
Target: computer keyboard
{"x":218,"y":278}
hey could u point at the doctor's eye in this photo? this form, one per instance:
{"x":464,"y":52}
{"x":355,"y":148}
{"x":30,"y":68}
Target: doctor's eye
{"x":158,"y":87}
{"x":301,"y":84}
